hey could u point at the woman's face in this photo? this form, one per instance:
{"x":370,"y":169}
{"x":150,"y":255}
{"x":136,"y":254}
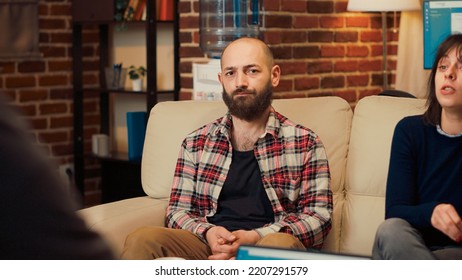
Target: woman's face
{"x":448,"y":82}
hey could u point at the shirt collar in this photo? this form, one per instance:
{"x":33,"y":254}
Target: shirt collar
{"x":440,"y":131}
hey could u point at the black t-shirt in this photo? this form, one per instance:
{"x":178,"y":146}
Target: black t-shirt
{"x":243,"y":202}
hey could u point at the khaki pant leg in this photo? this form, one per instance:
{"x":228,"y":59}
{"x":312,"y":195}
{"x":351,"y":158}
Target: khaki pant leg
{"x":157,"y":242}
{"x":282,"y":240}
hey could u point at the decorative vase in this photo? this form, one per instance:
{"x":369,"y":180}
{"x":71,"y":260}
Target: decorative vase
{"x":137,"y":84}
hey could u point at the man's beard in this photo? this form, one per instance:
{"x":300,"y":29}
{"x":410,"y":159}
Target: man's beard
{"x":249,"y":107}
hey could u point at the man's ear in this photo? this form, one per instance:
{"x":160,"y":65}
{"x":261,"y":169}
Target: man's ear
{"x":275,"y":75}
{"x":219,"y":77}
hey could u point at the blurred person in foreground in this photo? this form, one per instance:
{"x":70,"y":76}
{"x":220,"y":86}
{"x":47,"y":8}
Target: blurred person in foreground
{"x":38,"y":217}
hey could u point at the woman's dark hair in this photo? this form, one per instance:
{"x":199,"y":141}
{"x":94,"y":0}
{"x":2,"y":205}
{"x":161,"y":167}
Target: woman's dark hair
{"x":433,"y":113}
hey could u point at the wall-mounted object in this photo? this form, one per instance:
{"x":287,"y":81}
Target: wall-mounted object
{"x":223,"y":21}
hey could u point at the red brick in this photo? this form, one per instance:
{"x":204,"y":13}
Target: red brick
{"x":53,"y":80}
{"x":319,"y":67}
{"x":31,"y":66}
{"x":185,"y":37}
{"x":321,"y":36}
{"x":184,"y":7}
{"x":20,"y":82}
{"x":61,"y":9}
{"x":341,"y":7}
{"x":271,"y":5}
{"x":285,"y":85}
{"x":7,"y":67}
{"x":281,"y":21}
{"x":273,"y":37}
{"x":284,"y":52}
{"x":357,"y":21}
{"x":320,"y":7}
{"x":348,"y":95}
{"x":292,"y":67}
{"x":368,"y":92}
{"x":61,"y":37}
{"x":370,"y":65}
{"x":346,"y":66}
{"x":185,"y":95}
{"x":346,"y":36}
{"x":331,"y":22}
{"x":293,"y":37}
{"x":188,"y":22}
{"x":53,"y":51}
{"x":332,"y":51}
{"x":306,"y":83}
{"x":191,"y":52}
{"x":64,"y":65}
{"x":333,"y":82}
{"x":53,"y":109}
{"x":61,"y":122}
{"x":307,"y":52}
{"x":358,"y":80}
{"x":38,"y":123}
{"x":186,"y":82}
{"x":52,"y":24}
{"x":306,"y":21}
{"x":61,"y":93}
{"x":33,"y":95}
{"x":296,"y":6}
{"x":371,"y":36}
{"x":53,"y":137}
{"x":357,"y":51}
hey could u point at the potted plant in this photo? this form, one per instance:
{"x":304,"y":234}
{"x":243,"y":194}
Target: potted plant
{"x":136,"y":75}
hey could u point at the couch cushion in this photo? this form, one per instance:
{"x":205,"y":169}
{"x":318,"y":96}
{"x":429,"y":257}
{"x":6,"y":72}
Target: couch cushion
{"x":374,"y":121}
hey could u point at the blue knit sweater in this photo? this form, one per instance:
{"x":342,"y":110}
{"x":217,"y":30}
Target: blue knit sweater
{"x":425,"y":170}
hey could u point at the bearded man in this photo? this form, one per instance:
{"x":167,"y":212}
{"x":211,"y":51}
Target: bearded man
{"x":250,"y":177}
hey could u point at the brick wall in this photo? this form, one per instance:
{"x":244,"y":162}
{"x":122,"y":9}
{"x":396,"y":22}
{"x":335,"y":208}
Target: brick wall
{"x":41,"y":87}
{"x":322,"y":49}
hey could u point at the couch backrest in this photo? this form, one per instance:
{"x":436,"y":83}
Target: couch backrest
{"x":170,"y":122}
{"x":374,"y":120}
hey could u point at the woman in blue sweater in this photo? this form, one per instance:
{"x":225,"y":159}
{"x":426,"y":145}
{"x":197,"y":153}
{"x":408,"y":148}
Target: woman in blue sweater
{"x":424,"y":186}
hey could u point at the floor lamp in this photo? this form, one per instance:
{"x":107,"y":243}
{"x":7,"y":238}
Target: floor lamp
{"x":383,"y":6}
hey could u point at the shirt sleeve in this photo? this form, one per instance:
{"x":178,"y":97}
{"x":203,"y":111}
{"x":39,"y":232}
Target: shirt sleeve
{"x":310,"y":221}
{"x":182,"y":213}
{"x":401,"y":194}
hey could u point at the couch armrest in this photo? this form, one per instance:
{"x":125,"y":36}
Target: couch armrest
{"x":115,"y":220}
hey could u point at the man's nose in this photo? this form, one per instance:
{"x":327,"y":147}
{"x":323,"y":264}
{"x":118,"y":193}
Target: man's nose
{"x":241,"y":80}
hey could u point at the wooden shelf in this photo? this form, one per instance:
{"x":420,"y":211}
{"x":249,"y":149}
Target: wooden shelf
{"x":101,"y":13}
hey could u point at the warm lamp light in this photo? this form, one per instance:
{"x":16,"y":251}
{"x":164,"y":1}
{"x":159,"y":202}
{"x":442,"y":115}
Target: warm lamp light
{"x":383,"y":6}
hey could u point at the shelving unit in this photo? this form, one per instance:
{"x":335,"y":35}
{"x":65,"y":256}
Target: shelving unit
{"x":120,"y":177}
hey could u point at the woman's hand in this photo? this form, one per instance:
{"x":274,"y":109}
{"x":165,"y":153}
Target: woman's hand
{"x":446,"y":219}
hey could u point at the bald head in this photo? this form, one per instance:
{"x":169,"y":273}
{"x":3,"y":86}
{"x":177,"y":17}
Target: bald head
{"x":244,"y":45}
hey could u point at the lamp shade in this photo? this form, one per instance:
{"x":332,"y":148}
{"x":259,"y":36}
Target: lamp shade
{"x":383,"y":5}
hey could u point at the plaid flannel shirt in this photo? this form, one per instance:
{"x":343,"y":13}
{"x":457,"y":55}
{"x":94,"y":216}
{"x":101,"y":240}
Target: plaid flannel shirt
{"x":294,"y":170}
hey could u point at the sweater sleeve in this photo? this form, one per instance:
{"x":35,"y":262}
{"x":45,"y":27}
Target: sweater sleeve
{"x":402,"y":190}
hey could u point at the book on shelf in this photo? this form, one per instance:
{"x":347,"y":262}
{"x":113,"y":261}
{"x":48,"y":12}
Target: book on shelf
{"x":130,"y":10}
{"x":140,"y":9}
{"x":165,"y":10}
{"x":136,"y":131}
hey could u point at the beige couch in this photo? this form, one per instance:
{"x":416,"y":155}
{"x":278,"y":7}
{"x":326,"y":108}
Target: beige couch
{"x":357,"y":147}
